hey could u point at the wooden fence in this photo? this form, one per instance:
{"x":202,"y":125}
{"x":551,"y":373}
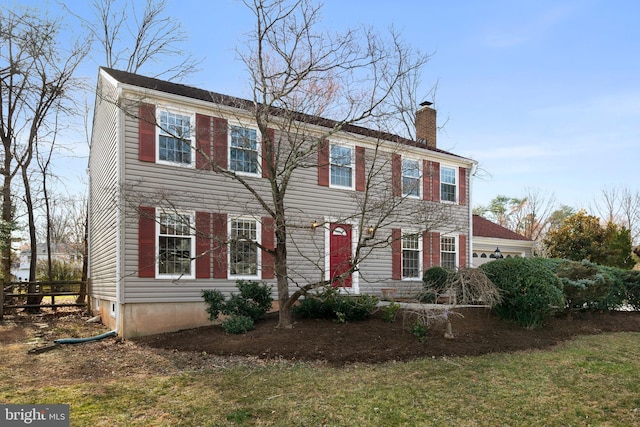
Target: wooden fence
{"x":16,"y":294}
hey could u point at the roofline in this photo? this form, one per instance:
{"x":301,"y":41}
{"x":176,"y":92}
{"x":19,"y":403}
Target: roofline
{"x":161,"y":86}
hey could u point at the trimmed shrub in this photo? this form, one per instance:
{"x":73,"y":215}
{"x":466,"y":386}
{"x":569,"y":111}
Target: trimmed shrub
{"x":631,"y":283}
{"x":331,"y":304}
{"x":253,"y":301}
{"x":589,"y":286}
{"x":434,"y":281}
{"x":551,"y":263}
{"x":530,"y":291}
{"x":238,"y":324}
{"x":215,"y":302}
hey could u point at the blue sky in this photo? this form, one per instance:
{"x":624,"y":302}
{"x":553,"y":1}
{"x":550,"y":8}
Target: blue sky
{"x":543,"y":94}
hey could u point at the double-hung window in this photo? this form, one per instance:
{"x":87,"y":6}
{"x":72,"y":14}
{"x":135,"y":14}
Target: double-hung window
{"x":244,"y":256}
{"x":448,"y":184}
{"x":176,"y":245}
{"x":448,"y":253}
{"x":243,"y":150}
{"x":175,"y":138}
{"x":411,"y":256}
{"x":341,"y":160}
{"x":411,"y":178}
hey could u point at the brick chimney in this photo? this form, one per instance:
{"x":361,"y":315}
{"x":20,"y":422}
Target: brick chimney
{"x":426,"y":125}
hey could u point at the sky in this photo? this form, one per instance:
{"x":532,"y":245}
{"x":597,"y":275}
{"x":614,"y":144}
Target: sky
{"x":544,"y":95}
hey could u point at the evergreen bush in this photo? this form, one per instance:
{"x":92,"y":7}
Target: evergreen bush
{"x":631,"y":283}
{"x":589,"y":286}
{"x":331,"y":304}
{"x":435,"y":280}
{"x":237,"y":324}
{"x":530,"y":291}
{"x":253,"y":301}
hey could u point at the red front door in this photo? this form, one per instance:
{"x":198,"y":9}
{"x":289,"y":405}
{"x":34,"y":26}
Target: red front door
{"x":340,"y":253}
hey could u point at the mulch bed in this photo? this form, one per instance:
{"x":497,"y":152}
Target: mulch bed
{"x":477,"y":331}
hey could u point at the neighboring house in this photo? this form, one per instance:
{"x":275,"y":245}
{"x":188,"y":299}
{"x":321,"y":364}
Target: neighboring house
{"x":489,"y":237}
{"x":164,"y":223}
{"x":59,"y":252}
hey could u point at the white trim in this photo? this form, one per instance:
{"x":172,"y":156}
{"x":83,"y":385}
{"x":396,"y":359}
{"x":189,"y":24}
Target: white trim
{"x":456,"y":241}
{"x":192,"y":134}
{"x":120,"y":234}
{"x":420,"y":177}
{"x":456,"y":174}
{"x":355,"y":276}
{"x":420,"y":254}
{"x":353,"y":166}
{"x":191,"y":215}
{"x":258,"y":275}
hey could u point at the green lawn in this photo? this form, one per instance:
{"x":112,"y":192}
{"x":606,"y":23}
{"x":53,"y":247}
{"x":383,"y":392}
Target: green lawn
{"x":594,"y":380}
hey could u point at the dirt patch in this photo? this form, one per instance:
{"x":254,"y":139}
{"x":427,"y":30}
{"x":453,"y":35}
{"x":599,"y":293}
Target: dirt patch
{"x":476,"y":332}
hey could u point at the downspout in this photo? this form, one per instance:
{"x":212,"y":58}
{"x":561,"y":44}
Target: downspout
{"x":472,"y":172}
{"x":120,"y":221}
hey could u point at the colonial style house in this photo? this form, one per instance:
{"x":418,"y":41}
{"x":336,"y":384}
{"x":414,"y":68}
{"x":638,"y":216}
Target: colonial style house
{"x":176,"y":173}
{"x":491,"y":240}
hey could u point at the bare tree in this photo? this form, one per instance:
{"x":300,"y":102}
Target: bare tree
{"x":137,"y":41}
{"x":621,"y":206}
{"x":296,"y":70}
{"x":298,"y":76}
{"x":36,"y":77}
{"x":537,"y":213}
{"x":528,"y":215}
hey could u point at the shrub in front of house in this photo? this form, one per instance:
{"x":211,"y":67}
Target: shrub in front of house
{"x":238,"y":324}
{"x":530,"y":291}
{"x":331,"y":304}
{"x":253,"y":302}
{"x":435,"y":280}
{"x":589,"y":286}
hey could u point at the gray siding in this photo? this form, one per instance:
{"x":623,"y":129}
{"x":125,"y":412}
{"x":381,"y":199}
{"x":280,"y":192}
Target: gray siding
{"x":103,"y":212}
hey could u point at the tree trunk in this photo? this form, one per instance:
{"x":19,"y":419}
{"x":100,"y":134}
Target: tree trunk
{"x":35,"y":300}
{"x":285,"y":319}
{"x":82,"y":297}
{"x":7,"y":218}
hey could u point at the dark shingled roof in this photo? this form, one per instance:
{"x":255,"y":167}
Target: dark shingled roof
{"x":231,"y":101}
{"x":484,"y":228}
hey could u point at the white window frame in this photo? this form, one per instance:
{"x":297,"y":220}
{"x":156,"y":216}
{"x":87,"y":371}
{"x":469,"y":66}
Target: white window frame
{"x":162,"y":132}
{"x":456,"y":250}
{"x":192,"y":246}
{"x":258,"y":240}
{"x":258,"y":171}
{"x":406,"y":233}
{"x":456,"y":184}
{"x":352,"y":166}
{"x":417,"y":178}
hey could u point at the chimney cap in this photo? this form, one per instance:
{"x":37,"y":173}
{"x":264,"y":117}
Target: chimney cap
{"x":426,"y":103}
